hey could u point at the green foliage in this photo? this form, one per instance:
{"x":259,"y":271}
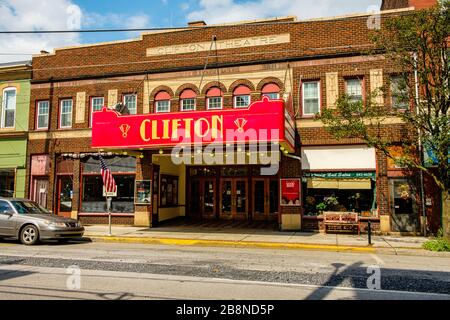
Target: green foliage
{"x":438,"y":244}
{"x":417,"y":42}
{"x":321,"y":206}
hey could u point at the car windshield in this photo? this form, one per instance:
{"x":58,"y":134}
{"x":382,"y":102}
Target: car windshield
{"x":28,"y":207}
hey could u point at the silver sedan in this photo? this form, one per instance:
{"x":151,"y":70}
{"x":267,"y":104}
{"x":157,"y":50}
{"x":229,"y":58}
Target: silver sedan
{"x":30,"y":222}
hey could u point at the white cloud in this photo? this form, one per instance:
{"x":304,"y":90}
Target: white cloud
{"x":220,"y":11}
{"x":33,"y":15}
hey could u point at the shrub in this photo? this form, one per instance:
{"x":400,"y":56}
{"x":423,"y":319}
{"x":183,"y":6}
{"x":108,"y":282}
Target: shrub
{"x":438,"y":244}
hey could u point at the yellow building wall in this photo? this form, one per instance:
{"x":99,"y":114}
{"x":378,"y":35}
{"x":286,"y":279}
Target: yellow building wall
{"x":167,"y":167}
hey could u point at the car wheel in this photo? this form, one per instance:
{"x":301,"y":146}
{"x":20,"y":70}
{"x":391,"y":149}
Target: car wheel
{"x":29,"y":235}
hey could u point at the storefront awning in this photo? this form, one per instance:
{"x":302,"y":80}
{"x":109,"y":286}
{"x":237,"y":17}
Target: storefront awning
{"x":332,"y":158}
{"x":263,"y":121}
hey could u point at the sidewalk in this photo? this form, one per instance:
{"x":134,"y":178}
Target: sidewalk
{"x":190,"y":236}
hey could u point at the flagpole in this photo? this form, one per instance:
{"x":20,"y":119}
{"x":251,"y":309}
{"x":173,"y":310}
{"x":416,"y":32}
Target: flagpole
{"x":108,"y":206}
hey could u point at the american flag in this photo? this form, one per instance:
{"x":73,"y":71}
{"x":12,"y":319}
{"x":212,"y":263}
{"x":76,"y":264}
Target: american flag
{"x":108,"y":179}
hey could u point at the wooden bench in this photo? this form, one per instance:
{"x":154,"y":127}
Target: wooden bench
{"x":341,"y":221}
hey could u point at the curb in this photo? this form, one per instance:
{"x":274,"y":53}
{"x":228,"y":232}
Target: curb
{"x":227,"y":243}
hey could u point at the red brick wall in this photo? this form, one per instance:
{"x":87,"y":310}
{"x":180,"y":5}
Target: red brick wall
{"x":311,"y":38}
{"x":396,"y":4}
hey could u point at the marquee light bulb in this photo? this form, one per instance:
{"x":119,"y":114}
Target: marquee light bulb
{"x":161,"y":151}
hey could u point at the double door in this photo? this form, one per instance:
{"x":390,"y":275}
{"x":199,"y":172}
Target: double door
{"x":265,"y":199}
{"x":234,"y":199}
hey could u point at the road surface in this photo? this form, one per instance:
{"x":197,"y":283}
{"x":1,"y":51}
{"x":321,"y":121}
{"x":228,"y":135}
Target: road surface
{"x":141,"y":271}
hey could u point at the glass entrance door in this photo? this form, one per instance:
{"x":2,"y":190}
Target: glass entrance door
{"x":65,"y":195}
{"x":265,"y":199}
{"x":404,"y":206}
{"x":226,"y":199}
{"x":203,"y":198}
{"x":209,"y":198}
{"x":233,"y":199}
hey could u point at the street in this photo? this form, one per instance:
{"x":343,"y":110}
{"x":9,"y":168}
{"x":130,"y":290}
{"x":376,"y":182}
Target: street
{"x":142,"y":271}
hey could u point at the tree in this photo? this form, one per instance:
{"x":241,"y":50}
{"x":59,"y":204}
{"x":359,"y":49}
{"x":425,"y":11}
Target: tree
{"x":417,"y":43}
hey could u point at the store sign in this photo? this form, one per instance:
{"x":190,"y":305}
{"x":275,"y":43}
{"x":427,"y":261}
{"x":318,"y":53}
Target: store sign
{"x":340,"y":175}
{"x":290,"y":192}
{"x":262,"y":121}
{"x":236,"y":43}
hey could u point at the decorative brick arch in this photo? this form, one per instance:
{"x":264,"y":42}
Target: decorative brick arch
{"x":185,"y":86}
{"x":267,"y":80}
{"x":211,"y":84}
{"x":240,"y":82}
{"x":161,"y":88}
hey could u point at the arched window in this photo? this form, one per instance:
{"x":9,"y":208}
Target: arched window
{"x":187,"y":100}
{"x":162,"y":102}
{"x":214,"y":98}
{"x":241,"y":97}
{"x":271,"y":90}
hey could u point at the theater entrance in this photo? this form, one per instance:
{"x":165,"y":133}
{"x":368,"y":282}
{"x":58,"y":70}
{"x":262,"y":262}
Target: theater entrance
{"x":237,"y":193}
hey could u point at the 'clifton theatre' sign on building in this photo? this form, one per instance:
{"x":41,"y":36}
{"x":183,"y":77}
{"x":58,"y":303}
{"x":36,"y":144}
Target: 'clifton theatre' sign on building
{"x":262,"y":121}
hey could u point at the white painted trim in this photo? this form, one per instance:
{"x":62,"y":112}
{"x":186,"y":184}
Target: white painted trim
{"x":2,"y":124}
{"x":303,"y":97}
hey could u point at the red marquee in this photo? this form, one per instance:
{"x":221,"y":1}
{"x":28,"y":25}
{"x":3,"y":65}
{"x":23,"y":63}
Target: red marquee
{"x":262,"y":121}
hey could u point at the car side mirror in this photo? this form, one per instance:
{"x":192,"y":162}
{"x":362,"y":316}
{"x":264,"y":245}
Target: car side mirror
{"x":7,"y":213}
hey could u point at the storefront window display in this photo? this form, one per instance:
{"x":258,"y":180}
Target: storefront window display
{"x":93,"y":200}
{"x":7,"y":180}
{"x":339,"y":194}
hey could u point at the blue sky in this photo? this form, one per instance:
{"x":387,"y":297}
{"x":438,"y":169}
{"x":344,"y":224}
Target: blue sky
{"x":104,"y":14}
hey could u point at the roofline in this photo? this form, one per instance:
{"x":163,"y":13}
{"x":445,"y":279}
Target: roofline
{"x":245,"y":22}
{"x":24,"y":63}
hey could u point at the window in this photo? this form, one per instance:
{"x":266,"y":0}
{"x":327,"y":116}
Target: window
{"x":187,"y":104}
{"x":97,"y":104}
{"x":9,"y":108}
{"x":241,"y":101}
{"x":271,"y":90}
{"x":214,"y":98}
{"x":241,"y":97}
{"x":399,"y":92}
{"x":65,"y":114}
{"x":187,"y":99}
{"x":7,"y":182}
{"x":169,"y":191}
{"x":5,"y":207}
{"x":311,"y":97}
{"x":272,"y":96}
{"x":43,"y":109}
{"x":130,"y":101}
{"x":163,"y":106}
{"x":339,"y":194}
{"x":162,"y":102}
{"x":354,"y":90}
{"x":123,"y":170}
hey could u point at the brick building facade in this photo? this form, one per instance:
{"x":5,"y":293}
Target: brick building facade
{"x":309,"y":63}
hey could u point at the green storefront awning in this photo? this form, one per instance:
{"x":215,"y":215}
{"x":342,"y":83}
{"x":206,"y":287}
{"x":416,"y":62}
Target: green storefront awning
{"x":340,"y":175}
